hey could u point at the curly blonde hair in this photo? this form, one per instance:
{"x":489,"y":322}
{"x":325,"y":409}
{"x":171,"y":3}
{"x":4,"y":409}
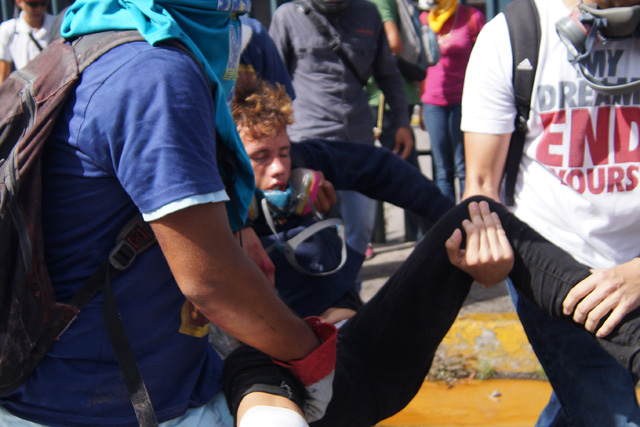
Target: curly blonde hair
{"x":260,"y":108}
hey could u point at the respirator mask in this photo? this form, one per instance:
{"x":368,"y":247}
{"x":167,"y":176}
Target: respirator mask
{"x":317,"y":250}
{"x":588,"y":25}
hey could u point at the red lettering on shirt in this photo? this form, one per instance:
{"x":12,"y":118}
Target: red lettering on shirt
{"x":550,"y":139}
{"x":582,"y":133}
{"x":625,"y":140}
{"x":596,"y":180}
{"x":593,"y":154}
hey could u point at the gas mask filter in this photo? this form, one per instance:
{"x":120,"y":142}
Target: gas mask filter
{"x":586,"y":26}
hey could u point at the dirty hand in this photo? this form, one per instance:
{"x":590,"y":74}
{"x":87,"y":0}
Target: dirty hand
{"x":607,"y":291}
{"x":404,"y":142}
{"x":488,"y":256}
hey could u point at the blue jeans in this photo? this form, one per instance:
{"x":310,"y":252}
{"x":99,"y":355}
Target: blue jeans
{"x":590,"y":387}
{"x":358,"y":213}
{"x":447,"y":145}
{"x":214,"y":413}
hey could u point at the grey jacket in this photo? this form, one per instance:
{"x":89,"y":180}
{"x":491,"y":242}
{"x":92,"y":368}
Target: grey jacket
{"x":330,"y":102}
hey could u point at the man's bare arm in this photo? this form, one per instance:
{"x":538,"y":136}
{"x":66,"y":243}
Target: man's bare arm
{"x":485,"y":157}
{"x":5,"y":70}
{"x":393,"y":37}
{"x":214,"y":273}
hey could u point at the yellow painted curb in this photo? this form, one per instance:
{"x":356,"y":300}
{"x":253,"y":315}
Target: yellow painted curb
{"x":490,"y":341}
{"x":494,"y":403}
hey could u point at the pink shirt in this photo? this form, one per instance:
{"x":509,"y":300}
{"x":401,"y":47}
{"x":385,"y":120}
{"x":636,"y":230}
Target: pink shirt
{"x":444,"y":81}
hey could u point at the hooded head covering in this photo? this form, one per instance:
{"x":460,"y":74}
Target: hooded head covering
{"x":211,"y":31}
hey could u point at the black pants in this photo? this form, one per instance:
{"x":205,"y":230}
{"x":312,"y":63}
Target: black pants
{"x":385,"y":351}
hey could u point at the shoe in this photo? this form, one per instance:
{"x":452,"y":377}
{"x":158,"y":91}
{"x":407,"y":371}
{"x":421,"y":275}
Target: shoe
{"x":369,"y":253}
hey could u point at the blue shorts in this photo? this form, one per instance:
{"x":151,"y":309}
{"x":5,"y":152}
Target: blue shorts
{"x":214,"y":414}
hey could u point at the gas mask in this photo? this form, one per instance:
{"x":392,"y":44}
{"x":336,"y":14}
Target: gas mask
{"x":588,"y":25}
{"x":297,"y":200}
{"x":330,"y":6}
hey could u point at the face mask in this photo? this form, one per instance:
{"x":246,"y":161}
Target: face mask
{"x":298,"y":198}
{"x":585,"y":26}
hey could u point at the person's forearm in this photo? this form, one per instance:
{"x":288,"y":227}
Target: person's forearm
{"x":213,"y":272}
{"x":393,"y":37}
{"x":485,"y":156}
{"x":5,"y":70}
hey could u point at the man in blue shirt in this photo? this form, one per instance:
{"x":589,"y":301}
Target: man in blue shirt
{"x":147,"y":131}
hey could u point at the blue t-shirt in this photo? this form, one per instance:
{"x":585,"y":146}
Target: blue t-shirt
{"x":138,"y":134}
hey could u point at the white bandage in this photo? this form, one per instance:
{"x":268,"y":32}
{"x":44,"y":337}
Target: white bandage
{"x":271,"y":416}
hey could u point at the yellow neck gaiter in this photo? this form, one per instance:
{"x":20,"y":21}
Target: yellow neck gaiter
{"x":439,"y":15}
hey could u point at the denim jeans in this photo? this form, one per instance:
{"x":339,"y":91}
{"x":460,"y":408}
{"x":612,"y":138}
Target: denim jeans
{"x":590,"y":387}
{"x":385,"y":351}
{"x":214,"y":413}
{"x":447,"y":145}
{"x":358,"y":213}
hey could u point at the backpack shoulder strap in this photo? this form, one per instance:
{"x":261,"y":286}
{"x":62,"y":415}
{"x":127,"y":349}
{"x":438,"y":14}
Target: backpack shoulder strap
{"x":90,"y":47}
{"x":524,"y":32}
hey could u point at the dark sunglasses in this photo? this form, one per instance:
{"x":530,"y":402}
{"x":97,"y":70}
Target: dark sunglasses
{"x":35,"y":4}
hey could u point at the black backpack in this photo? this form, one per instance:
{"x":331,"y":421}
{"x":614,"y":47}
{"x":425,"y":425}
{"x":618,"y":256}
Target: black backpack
{"x":524,"y":32}
{"x":30,"y":317}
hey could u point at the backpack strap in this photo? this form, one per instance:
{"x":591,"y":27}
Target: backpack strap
{"x":328,"y":32}
{"x":36,"y":42}
{"x":524,"y":32}
{"x":90,"y":47}
{"x":135,"y":237}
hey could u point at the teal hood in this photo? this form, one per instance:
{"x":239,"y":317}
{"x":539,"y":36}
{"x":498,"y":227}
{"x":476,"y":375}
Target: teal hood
{"x":211,"y":31}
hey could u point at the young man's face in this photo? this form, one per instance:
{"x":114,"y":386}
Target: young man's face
{"x":35,"y":9}
{"x":270,"y":159}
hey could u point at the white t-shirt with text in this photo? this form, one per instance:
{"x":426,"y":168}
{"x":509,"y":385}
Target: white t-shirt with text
{"x":579,"y":175}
